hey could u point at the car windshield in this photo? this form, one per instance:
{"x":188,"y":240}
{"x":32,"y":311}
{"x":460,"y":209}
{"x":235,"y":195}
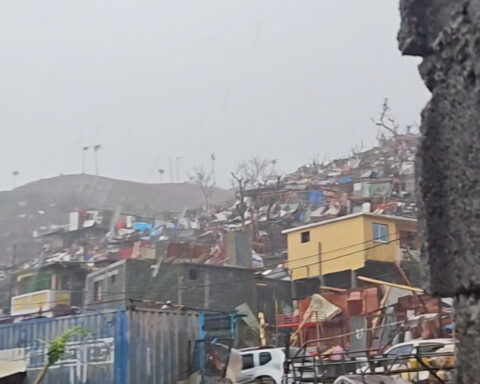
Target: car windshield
{"x":400,"y":351}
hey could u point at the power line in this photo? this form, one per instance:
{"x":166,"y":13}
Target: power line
{"x":195,"y":286}
{"x":335,"y":250}
{"x":344,"y":255}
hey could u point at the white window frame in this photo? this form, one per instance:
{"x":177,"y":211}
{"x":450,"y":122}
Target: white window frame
{"x":380,"y":238}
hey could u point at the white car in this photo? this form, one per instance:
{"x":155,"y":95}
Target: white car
{"x":398,"y":354}
{"x":261,"y":366}
{"x":417,"y":347}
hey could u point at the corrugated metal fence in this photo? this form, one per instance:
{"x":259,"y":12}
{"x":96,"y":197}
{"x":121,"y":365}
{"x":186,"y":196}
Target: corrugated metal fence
{"x":121,"y":347}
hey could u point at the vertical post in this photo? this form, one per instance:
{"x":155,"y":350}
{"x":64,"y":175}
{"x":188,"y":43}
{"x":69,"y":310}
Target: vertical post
{"x":180,"y":284}
{"x":96,"y":162}
{"x":320,"y":269}
{"x":206,"y":302}
{"x":171,"y":169}
{"x":213,"y":168}
{"x":96,"y":148}
{"x":201,"y":346}
{"x":353,"y":279}
{"x":84,"y":150}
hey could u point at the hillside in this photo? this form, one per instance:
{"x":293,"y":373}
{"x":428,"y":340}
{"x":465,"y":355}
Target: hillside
{"x":48,"y":201}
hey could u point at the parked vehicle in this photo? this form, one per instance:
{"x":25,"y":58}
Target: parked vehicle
{"x":400,"y":356}
{"x":262,"y":365}
{"x":417,"y":347}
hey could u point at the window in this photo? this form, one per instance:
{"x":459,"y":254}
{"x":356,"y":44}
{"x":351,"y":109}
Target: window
{"x":97,"y":291}
{"x":247,"y":361}
{"x":380,"y":233}
{"x":113,"y":278}
{"x":429,"y":348}
{"x":193,"y":274}
{"x":400,"y":351}
{"x":265,"y":357}
{"x":305,"y":237}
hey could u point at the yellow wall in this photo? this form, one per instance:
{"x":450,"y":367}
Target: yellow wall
{"x":376,"y":250}
{"x":33,"y":302}
{"x":388,"y":252}
{"x":341,"y":245}
{"x":345,"y":245}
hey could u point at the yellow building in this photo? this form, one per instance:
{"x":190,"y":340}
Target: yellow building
{"x":347,"y":243}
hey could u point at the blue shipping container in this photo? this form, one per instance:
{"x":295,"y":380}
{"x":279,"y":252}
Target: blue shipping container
{"x":122,"y":347}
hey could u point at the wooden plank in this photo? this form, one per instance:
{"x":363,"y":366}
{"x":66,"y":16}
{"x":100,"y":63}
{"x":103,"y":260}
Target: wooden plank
{"x":333,"y":289}
{"x":388,"y":284}
{"x":381,"y":307}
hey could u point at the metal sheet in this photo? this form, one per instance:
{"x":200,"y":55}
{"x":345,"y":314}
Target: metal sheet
{"x":162,"y":346}
{"x":358,"y":339}
{"x":121,"y":347}
{"x":97,"y":356}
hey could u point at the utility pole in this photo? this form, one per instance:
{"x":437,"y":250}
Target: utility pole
{"x":160,"y":174}
{"x":177,"y":160}
{"x":96,"y":148}
{"x":84,"y":151}
{"x":171,"y":169}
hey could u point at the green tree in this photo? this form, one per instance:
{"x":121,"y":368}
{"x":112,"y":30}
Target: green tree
{"x":56,"y":349}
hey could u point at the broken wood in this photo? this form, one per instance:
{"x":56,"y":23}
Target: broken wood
{"x":381,"y":307}
{"x":388,"y":284}
{"x":407,"y":282}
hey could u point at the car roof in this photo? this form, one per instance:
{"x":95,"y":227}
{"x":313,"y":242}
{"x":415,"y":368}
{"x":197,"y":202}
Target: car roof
{"x":418,"y":342}
{"x":260,"y":349}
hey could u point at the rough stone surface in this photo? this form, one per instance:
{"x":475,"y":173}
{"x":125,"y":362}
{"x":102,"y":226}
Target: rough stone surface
{"x":447,"y":35}
{"x":467,"y":323}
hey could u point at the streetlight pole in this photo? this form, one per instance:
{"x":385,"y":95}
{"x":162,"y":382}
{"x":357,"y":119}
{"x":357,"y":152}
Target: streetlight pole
{"x":14,"y":176}
{"x":160,"y":174}
{"x":96,"y":148}
{"x":84,"y":150}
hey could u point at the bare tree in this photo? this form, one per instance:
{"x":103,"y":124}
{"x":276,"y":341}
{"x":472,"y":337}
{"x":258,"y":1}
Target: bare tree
{"x":389,"y":129}
{"x":205,"y":181}
{"x":240,"y":184}
{"x":257,"y":171}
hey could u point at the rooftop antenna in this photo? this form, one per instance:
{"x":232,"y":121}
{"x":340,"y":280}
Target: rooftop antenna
{"x":96,"y":148}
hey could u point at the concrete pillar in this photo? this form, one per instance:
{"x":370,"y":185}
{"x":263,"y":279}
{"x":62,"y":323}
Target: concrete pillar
{"x":446,"y":34}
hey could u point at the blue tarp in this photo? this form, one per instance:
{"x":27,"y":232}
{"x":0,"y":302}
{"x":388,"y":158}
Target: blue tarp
{"x":345,"y":180}
{"x":141,"y":227}
{"x":315,"y":197}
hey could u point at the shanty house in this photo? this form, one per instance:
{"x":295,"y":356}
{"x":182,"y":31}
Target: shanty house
{"x":348,"y":244}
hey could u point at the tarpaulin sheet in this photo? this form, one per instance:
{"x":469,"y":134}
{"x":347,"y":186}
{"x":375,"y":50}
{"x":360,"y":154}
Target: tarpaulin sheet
{"x":320,"y":309}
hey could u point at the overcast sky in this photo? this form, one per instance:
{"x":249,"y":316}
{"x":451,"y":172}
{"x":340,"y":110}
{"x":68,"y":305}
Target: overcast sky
{"x":153,"y":79}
